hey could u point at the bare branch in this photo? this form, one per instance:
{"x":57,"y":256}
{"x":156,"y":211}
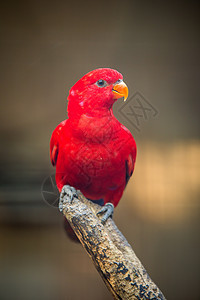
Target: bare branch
{"x":113,"y":257}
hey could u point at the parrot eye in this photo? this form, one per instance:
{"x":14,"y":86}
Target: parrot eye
{"x":101,"y":83}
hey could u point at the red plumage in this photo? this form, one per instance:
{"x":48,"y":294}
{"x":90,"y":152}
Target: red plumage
{"x":92,"y":150}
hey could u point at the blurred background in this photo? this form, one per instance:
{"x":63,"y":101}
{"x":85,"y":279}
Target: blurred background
{"x":46,"y":47}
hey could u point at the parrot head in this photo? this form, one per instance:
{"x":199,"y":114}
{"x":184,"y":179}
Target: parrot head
{"x":96,"y":92}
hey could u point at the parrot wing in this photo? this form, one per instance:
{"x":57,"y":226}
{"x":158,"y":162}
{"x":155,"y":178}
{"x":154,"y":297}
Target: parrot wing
{"x":129,"y":167}
{"x":54,"y":143}
{"x":54,"y":154}
{"x":130,"y":160}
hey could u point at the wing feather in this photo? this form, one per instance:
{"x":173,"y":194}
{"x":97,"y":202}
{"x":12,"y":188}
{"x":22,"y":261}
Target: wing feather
{"x":54,"y":143}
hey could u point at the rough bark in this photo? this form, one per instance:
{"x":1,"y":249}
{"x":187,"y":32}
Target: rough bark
{"x":113,"y":257}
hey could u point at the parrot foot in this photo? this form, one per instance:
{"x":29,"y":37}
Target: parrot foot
{"x":107,"y":210}
{"x":68,"y":190}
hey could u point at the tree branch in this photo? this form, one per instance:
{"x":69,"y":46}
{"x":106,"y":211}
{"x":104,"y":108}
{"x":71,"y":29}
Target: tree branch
{"x":113,"y":257}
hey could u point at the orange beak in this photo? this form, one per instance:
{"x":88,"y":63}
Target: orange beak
{"x":120,"y":90}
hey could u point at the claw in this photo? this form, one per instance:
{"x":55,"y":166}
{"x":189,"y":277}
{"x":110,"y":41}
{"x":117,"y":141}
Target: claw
{"x":68,"y":190}
{"x":107,"y":210}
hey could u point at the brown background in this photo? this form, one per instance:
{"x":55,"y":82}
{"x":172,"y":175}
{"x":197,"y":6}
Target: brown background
{"x":45,"y":48}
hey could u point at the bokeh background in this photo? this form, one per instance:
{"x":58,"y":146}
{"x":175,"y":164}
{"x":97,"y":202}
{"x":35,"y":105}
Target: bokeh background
{"x":46,"y":46}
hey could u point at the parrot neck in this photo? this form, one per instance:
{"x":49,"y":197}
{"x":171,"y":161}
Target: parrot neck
{"x":94,"y":127}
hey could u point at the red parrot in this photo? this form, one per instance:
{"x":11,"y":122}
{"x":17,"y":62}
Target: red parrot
{"x":92,"y":151}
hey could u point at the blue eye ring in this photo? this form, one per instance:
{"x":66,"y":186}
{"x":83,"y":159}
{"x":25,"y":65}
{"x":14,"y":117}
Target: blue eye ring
{"x":101,"y":83}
